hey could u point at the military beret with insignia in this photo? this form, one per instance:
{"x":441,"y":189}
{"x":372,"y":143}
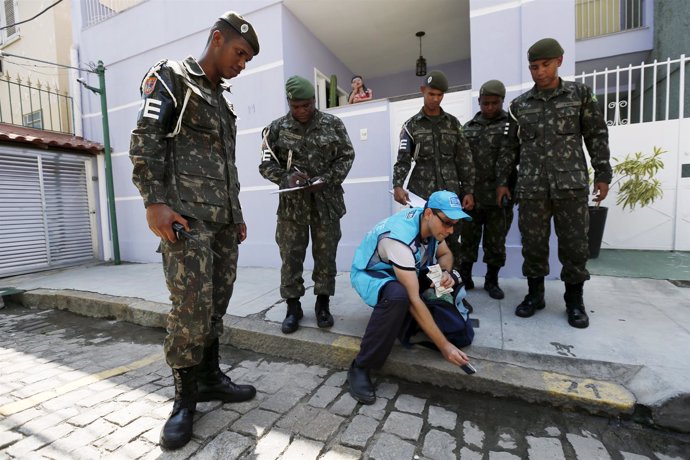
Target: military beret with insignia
{"x":297,"y":87}
{"x":493,"y":88}
{"x":242,"y":27}
{"x":546,"y":48}
{"x":437,"y":80}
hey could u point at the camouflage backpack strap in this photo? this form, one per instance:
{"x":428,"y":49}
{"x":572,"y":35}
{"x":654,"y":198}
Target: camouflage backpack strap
{"x":415,"y":154}
{"x":267,"y":151}
{"x":179,"y":70}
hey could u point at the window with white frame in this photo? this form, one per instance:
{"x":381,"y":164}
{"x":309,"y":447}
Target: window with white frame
{"x":33,"y":119}
{"x":8,"y":17}
{"x":323,"y":90}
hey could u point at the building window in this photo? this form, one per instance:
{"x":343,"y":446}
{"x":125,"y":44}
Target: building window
{"x":323,"y":91}
{"x":594,"y":18}
{"x":8,"y":16}
{"x":33,"y":119}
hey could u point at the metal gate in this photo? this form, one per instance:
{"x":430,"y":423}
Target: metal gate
{"x":47,"y":210}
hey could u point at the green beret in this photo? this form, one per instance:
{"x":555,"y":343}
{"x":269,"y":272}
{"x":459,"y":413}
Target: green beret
{"x":546,"y":48}
{"x":437,"y":80}
{"x":243,"y":28}
{"x":493,"y":88}
{"x":297,"y":87}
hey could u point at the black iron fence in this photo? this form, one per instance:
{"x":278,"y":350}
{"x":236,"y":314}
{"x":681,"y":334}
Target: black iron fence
{"x":35,"y":105}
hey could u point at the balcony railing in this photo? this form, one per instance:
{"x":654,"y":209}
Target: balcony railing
{"x":643,"y":93}
{"x":95,"y":11}
{"x":35,"y":105}
{"x":594,"y":18}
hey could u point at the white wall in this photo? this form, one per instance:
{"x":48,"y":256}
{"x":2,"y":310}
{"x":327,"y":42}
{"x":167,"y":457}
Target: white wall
{"x":664,"y":225}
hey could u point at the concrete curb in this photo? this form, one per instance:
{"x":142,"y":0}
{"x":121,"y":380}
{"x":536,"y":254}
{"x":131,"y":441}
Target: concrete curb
{"x":564,"y":382}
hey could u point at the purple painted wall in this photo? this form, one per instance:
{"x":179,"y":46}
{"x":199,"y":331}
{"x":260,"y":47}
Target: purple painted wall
{"x":458,"y":73}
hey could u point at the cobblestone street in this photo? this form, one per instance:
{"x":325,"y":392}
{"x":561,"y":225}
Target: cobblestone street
{"x":74,"y":387}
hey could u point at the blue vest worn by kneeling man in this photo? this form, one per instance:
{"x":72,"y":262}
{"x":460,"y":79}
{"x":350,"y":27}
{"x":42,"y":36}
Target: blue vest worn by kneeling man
{"x":369,"y":273}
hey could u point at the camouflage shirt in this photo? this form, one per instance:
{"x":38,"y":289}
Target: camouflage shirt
{"x":551,"y":127}
{"x":321,"y":148}
{"x":487,"y":139}
{"x":443,"y":157}
{"x":187,"y":161}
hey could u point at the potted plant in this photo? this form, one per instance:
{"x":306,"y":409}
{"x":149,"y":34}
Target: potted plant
{"x":637,"y":186}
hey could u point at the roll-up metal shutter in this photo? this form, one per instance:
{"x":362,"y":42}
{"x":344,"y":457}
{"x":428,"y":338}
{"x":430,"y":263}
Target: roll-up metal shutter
{"x":45,"y":211}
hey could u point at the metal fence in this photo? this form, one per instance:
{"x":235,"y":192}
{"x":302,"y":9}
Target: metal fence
{"x":35,"y":105}
{"x":95,"y":11}
{"x":643,"y":93}
{"x":594,"y":18}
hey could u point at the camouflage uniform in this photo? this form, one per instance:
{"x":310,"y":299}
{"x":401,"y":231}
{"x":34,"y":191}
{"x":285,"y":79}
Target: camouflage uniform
{"x":553,"y":179}
{"x":188,"y":163}
{"x":443,"y":161}
{"x":487,"y":138}
{"x":321,"y":148}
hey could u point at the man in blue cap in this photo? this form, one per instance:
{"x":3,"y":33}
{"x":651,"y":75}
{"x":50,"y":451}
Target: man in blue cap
{"x":385,"y":273}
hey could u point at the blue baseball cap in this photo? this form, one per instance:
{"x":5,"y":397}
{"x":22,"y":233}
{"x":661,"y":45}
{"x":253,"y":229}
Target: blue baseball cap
{"x":448,"y":203}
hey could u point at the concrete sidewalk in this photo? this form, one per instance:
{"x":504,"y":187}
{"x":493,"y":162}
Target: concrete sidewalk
{"x":633,"y":357}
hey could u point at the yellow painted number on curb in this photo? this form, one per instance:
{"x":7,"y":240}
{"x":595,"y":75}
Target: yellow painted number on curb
{"x":595,"y":391}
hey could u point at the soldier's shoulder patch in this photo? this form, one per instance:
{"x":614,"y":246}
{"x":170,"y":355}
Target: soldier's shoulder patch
{"x":149,"y":85}
{"x":594,"y":97}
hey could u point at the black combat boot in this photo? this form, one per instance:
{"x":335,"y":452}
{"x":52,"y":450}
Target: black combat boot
{"x":212,"y":384}
{"x":294,"y":314}
{"x":323,"y":314}
{"x":361,"y":388}
{"x":575,"y":306}
{"x":534,"y":300}
{"x":177,"y":430}
{"x":466,"y":275}
{"x":491,"y":282}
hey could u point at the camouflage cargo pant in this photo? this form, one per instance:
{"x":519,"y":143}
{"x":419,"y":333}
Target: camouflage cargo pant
{"x":571,"y":221}
{"x":494,"y":223}
{"x":293,"y":238}
{"x":200,"y":286}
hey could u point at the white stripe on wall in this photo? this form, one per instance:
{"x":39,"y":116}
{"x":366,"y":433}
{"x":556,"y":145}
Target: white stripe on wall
{"x":261,"y":188}
{"x":497,"y":8}
{"x":263,"y":68}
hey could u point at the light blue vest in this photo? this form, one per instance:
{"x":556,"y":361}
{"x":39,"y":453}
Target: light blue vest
{"x":369,"y":273}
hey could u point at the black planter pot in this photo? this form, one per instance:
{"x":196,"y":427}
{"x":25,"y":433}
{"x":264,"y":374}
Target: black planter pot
{"x":597,"y":222}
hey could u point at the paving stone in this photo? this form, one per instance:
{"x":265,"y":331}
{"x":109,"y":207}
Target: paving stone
{"x":95,"y":413}
{"x":406,"y":426}
{"x":303,"y":449}
{"x":82,"y":437}
{"x":338,"y":379}
{"x":344,"y":405}
{"x":246,"y":406}
{"x":130,"y":412}
{"x":502,"y":456}
{"x":376,"y":410}
{"x":586,"y":447}
{"x":225,"y":446}
{"x":506,"y":441}
{"x":214,"y":422}
{"x":126,"y":434}
{"x":283,"y":400}
{"x":255,"y":422}
{"x":208,"y":406}
{"x":184,"y":453}
{"x":631,"y":456}
{"x":553,"y":431}
{"x":100,"y":396}
{"x":442,"y":418}
{"x":339,"y":452}
{"x":47,"y":422}
{"x":271,"y":445}
{"x":311,"y":422}
{"x":324,"y":396}
{"x":26,"y":446}
{"x":360,"y":430}
{"x":550,"y":448}
{"x":134,"y":449}
{"x":469,"y":454}
{"x":20,"y":418}
{"x":85,"y":453}
{"x":386,"y":390}
{"x":389,"y":447}
{"x":666,"y":457}
{"x":439,"y":445}
{"x":7,"y":438}
{"x":67,"y":400}
{"x":472,"y":434}
{"x":411,"y":404}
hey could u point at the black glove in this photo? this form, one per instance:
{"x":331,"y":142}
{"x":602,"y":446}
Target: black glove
{"x":297,"y":179}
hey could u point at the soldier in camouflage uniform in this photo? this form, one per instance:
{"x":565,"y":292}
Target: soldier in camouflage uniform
{"x":553,"y":118}
{"x":309,"y":150}
{"x":488,"y":133}
{"x":183,"y":151}
{"x":433,"y":141}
